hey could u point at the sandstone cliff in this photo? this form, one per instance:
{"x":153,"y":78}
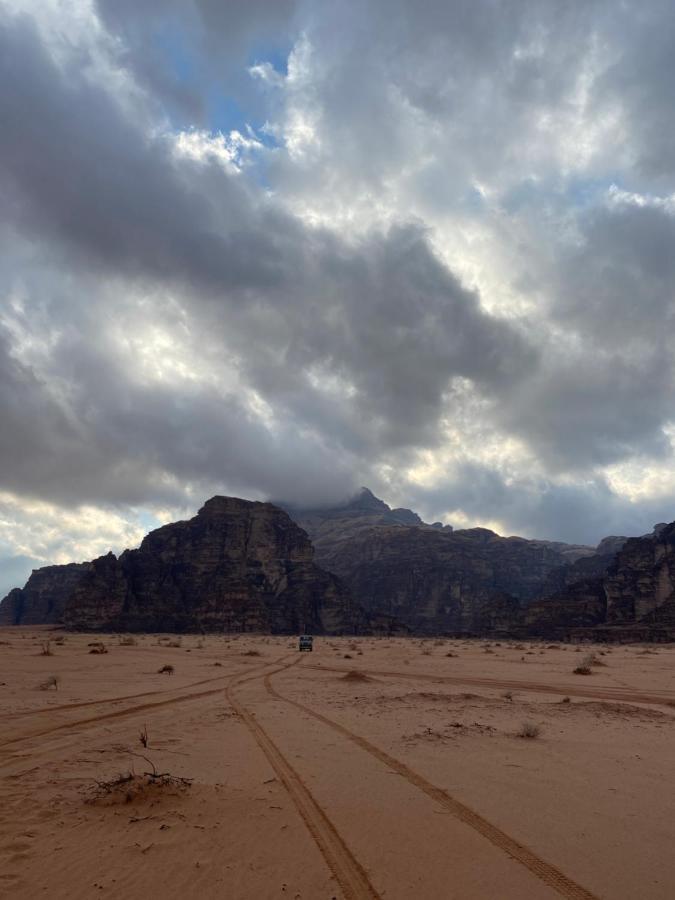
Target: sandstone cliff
{"x":236,"y":566}
{"x":43,"y":598}
{"x":632,"y":599}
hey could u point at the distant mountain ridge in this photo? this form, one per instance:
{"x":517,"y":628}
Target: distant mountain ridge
{"x":240,"y":566}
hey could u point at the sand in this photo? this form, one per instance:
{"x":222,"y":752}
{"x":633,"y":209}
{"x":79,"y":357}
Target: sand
{"x":368,"y":768}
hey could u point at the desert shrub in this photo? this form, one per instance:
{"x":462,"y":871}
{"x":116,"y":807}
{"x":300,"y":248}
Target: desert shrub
{"x":347,"y":656}
{"x":451,"y":654}
{"x":175,"y":643}
{"x":565,"y":700}
{"x":583,"y":670}
{"x":46,"y":649}
{"x":251,"y":653}
{"x":529,"y":730}
{"x":143,"y":736}
{"x":218,"y":664}
{"x":127,"y":641}
{"x":51,"y":682}
{"x":508,"y":695}
{"x":426,"y":652}
{"x":98,"y":648}
{"x":200,"y":645}
{"x":166,"y":670}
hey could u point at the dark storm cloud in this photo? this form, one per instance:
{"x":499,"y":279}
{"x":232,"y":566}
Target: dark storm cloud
{"x":349,"y":346}
{"x":581,"y":513}
{"x":380,"y":314}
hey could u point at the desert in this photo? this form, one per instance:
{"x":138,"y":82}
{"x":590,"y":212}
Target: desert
{"x":372,"y":767}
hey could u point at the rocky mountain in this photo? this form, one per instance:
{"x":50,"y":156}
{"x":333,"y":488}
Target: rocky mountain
{"x":428,"y":577}
{"x":633,"y":598}
{"x":44,"y":596}
{"x":236,"y":566}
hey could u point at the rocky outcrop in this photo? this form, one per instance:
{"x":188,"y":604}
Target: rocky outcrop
{"x":433,"y":581}
{"x":236,"y":566}
{"x":632,"y":599}
{"x":44,"y":596}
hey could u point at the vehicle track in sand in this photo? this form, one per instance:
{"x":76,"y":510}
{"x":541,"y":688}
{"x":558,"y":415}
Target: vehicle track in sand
{"x":545,"y":871}
{"x":659,"y":698}
{"x":26,"y":713}
{"x":350,"y":874}
{"x":129,"y":710}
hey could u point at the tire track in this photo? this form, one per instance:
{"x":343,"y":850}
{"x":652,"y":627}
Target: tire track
{"x":659,"y":698}
{"x":350,"y":874}
{"x":539,"y":867}
{"x":66,"y":706}
{"x":128,"y":711}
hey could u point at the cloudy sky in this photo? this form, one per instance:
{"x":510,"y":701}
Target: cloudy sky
{"x":283,"y":248}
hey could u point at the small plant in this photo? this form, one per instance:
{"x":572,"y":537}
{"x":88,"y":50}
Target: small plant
{"x":451,"y":654}
{"x":426,"y":652}
{"x":199,"y":645}
{"x":127,"y":641}
{"x":51,"y":682}
{"x":166,"y":670}
{"x":347,"y":656}
{"x":218,"y":664}
{"x":529,"y":730}
{"x":251,"y":653}
{"x":98,"y":648}
{"x":176,"y":643}
{"x":583,"y":670}
{"x":46,"y":649}
{"x":508,"y":695}
{"x":143,"y":736}
{"x":565,"y":700}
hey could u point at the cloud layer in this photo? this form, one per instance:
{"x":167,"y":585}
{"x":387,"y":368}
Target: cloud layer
{"x":284,"y":249}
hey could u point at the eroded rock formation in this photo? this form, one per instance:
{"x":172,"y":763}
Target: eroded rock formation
{"x":236,"y":566}
{"x":44,"y":596}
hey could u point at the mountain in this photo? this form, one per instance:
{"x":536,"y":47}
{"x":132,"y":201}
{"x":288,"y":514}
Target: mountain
{"x":633,"y":598}
{"x":429,"y":577}
{"x":44,"y":596}
{"x":236,"y":566}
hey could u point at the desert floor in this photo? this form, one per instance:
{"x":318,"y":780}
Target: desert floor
{"x":368,"y":768}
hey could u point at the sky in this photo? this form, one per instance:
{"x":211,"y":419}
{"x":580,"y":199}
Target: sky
{"x":284,"y":248}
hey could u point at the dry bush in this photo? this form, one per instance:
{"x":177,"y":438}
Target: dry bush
{"x":566,"y":700}
{"x":60,"y":639}
{"x":347,"y":656}
{"x":98,"y":648}
{"x":508,"y":695}
{"x":166,"y":670}
{"x":451,"y":654}
{"x":46,"y":649}
{"x":127,"y":641}
{"x":200,"y":645}
{"x":251,"y":653}
{"x":218,"y":664}
{"x":51,"y":682}
{"x":529,"y":730}
{"x":143,"y":736}
{"x":176,"y":643}
{"x":130,"y":786}
{"x":582,"y":670}
{"x":426,"y":652}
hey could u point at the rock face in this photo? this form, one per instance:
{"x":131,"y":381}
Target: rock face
{"x":43,"y":598}
{"x":435,"y":581}
{"x":632,"y":599}
{"x":236,"y":566}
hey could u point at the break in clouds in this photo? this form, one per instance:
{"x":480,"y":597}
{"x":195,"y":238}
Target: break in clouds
{"x":283,"y":249}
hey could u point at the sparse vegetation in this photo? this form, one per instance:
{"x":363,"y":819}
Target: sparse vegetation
{"x":583,"y":670}
{"x":166,"y":670}
{"x":46,"y":649}
{"x":98,"y":648}
{"x":529,"y":730}
{"x":143,"y":736}
{"x":127,"y":640}
{"x":508,"y":695}
{"x":251,"y":653}
{"x":51,"y":682}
